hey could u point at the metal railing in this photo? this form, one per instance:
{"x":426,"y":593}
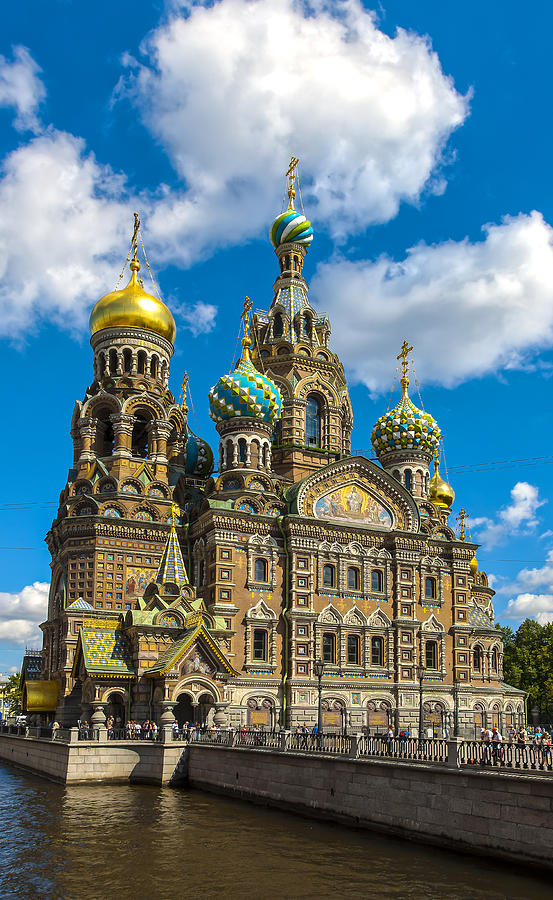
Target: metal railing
{"x":427,"y":750}
{"x":530,"y":757}
{"x":339,"y":744}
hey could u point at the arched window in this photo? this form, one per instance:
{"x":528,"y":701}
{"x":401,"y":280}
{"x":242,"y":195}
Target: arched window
{"x":259,"y":644}
{"x":261,"y":570}
{"x":354,"y":650}
{"x":430,"y":588}
{"x":313,"y":422}
{"x":140,"y":437}
{"x":141,"y":362}
{"x":153,"y":367}
{"x":102,"y":366}
{"x":113,"y":362}
{"x":477,"y":659}
{"x":408,"y":475}
{"x":127,"y":360}
{"x":329,"y":647}
{"x":431,"y":654}
{"x":494,"y":659}
{"x":306,"y":327}
{"x":353,"y":579}
{"x":242,"y":450}
{"x":377,"y":651}
{"x":328,"y":576}
{"x":105,"y":438}
{"x":377,"y":580}
{"x":278,"y":326}
{"x":277,"y":432}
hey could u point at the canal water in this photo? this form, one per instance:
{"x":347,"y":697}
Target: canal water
{"x":150,"y":843}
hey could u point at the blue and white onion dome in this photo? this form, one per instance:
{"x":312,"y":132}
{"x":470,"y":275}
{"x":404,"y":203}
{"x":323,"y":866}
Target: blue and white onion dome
{"x":199,"y":456}
{"x":291,"y":226}
{"x":405,"y":427}
{"x":245,"y":393}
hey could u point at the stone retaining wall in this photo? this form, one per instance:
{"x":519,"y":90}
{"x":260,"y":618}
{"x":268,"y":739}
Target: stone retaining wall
{"x":86,"y":761}
{"x":505,"y":815}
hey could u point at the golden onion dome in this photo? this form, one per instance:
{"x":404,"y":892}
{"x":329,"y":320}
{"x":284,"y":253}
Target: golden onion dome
{"x":133,"y":307}
{"x":473,"y":566}
{"x":440,"y":492}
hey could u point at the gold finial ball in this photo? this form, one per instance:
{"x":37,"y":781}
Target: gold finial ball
{"x":473,"y":566}
{"x":133,"y":307}
{"x":440,"y":492}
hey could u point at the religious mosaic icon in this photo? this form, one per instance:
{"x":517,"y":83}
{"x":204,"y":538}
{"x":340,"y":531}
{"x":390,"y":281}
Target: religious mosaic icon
{"x":352,"y":504}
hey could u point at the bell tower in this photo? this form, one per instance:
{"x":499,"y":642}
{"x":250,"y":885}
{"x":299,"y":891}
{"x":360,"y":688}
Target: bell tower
{"x":291,"y":346}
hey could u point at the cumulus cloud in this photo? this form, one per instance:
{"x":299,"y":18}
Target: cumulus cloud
{"x":64,"y":229}
{"x":518,"y":517}
{"x":468,"y":308}
{"x":230,"y":89}
{"x":22,"y":612}
{"x":533,"y":593}
{"x":21,"y":88}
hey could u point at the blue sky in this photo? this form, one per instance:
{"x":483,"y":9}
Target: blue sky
{"x":424,"y":134}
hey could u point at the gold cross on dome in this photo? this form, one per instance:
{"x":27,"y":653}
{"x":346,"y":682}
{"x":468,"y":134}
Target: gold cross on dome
{"x":291,"y":175}
{"x":403,"y":356}
{"x":461,"y":520}
{"x":134,"y":241}
{"x":184,"y":389}
{"x":246,"y":315}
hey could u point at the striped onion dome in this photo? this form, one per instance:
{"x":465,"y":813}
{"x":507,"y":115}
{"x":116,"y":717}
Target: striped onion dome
{"x":291,"y":226}
{"x":199,"y":456}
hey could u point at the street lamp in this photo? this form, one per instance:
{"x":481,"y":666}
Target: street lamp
{"x":318,"y":668}
{"x":420,"y":673}
{"x":456,"y":711}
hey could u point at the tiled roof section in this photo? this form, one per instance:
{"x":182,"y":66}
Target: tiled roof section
{"x":165,"y":659}
{"x":106,"y":651}
{"x":80,"y":604}
{"x":478,"y":616}
{"x":171,"y":566}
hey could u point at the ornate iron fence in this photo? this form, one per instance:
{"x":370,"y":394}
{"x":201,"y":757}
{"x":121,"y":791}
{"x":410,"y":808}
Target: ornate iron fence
{"x":533,"y":757}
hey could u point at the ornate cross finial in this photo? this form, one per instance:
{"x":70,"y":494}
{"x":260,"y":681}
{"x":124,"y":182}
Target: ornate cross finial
{"x":183,"y":391}
{"x":134,"y":241}
{"x":246,"y":317}
{"x":291,"y":175}
{"x":174,"y":514}
{"x":461,"y":520}
{"x":403,"y":355}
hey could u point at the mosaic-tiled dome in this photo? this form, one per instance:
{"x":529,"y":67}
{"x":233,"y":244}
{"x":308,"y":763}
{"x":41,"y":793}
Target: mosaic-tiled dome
{"x":199,"y":456}
{"x":405,"y":427}
{"x":245,"y":393}
{"x":291,"y":226}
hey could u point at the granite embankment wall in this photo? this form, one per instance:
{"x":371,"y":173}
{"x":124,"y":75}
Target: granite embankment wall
{"x":88,"y":761}
{"x":504,"y":815}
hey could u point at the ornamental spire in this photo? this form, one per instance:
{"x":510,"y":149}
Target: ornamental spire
{"x":292,"y":175}
{"x":171,"y":566}
{"x":246,"y":341}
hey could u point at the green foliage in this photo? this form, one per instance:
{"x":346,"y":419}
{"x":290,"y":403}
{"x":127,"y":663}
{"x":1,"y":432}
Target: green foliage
{"x":528,"y":662}
{"x":13,"y":693}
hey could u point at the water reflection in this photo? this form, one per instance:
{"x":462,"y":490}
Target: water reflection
{"x":145,"y":842}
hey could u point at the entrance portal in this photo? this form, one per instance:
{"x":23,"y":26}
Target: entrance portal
{"x":115,"y":707}
{"x":184,"y":711}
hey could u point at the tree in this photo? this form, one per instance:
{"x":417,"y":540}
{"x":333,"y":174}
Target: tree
{"x":13,"y":693}
{"x":528,"y":662}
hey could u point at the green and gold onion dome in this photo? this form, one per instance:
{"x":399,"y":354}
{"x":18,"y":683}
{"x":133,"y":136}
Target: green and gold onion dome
{"x":245,"y":393}
{"x":291,"y":226}
{"x":133,"y":307}
{"x":405,"y":427}
{"x":439,"y":491}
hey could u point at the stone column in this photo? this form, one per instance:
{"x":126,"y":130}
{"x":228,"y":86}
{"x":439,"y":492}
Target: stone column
{"x":98,"y":717}
{"x":167,"y":715}
{"x":122,"y":431}
{"x":160,"y":434}
{"x":87,"y":431}
{"x":220,"y":718}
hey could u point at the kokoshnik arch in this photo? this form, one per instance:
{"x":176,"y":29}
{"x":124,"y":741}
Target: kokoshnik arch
{"x":179,"y":592}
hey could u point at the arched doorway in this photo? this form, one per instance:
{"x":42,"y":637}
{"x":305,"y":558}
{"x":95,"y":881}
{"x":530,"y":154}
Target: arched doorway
{"x":115,"y":709}
{"x":184,"y":711}
{"x":206,"y":710}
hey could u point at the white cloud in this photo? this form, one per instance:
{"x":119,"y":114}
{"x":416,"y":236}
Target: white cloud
{"x":231,"y":89}
{"x":518,"y":517}
{"x":21,"y":88}
{"x":22,"y":612}
{"x":199,"y":318}
{"x":468,"y":308}
{"x":535,"y":606}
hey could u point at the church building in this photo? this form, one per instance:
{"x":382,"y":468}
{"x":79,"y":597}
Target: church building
{"x":205,"y":587}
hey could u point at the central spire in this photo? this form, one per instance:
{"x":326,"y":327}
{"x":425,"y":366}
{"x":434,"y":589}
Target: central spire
{"x":403,"y":355}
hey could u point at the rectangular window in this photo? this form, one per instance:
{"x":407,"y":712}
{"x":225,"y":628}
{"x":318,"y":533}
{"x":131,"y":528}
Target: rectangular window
{"x":329,"y":648}
{"x":353,"y":649}
{"x":377,"y":651}
{"x":328,"y":576}
{"x":259,"y":644}
{"x":431,"y":655}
